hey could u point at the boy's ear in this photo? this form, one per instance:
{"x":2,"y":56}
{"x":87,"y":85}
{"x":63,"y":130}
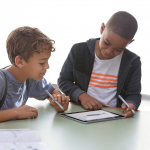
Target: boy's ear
{"x":102,"y":28}
{"x":19,"y":62}
{"x":130,"y":42}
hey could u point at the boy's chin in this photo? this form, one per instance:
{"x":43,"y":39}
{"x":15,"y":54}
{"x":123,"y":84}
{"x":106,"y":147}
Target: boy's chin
{"x":38,"y":79}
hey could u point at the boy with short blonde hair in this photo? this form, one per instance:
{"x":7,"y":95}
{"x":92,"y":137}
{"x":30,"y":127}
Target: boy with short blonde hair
{"x":28,"y":51}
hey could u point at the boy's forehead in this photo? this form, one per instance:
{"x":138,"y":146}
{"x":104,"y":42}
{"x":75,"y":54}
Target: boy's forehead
{"x":115,"y":39}
{"x":44,"y":55}
{"x":43,"y":46}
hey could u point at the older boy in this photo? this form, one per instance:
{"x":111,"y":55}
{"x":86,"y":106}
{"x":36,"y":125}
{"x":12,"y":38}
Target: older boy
{"x":96,"y":72}
{"x":28,"y":51}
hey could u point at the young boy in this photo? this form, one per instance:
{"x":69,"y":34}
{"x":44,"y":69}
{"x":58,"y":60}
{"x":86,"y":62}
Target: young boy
{"x":28,"y":51}
{"x":97,"y":71}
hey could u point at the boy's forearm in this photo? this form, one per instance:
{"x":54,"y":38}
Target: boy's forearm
{"x":69,"y":88}
{"x":8,"y":114}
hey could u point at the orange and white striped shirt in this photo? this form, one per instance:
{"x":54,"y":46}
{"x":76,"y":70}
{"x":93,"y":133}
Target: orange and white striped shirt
{"x":104,"y":78}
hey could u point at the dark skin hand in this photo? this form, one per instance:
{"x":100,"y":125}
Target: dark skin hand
{"x":127,"y":110}
{"x":89,"y":102}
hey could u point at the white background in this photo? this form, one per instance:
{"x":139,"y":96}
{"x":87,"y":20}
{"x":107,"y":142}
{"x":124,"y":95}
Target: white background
{"x":72,"y":21}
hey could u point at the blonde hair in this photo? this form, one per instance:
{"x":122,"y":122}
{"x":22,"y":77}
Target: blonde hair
{"x":24,"y":42}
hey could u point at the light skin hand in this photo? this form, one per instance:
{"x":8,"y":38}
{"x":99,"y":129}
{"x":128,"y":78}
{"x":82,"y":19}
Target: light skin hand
{"x":26,"y":112}
{"x":89,"y":102}
{"x":19,"y":113}
{"x":61,"y":98}
{"x":127,"y":110}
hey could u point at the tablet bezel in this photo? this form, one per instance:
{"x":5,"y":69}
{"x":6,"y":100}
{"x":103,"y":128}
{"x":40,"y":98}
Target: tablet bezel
{"x":92,"y":121}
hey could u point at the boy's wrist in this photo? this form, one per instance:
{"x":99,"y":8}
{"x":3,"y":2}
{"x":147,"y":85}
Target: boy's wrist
{"x":15,"y":112}
{"x":82,"y":97}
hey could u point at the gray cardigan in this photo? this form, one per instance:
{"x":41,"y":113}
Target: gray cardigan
{"x":76,"y":72}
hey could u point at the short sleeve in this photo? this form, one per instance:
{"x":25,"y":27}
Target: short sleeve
{"x":37,"y":89}
{"x":2,"y":85}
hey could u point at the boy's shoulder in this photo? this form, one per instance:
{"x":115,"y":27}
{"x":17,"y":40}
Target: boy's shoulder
{"x":85,"y":48}
{"x":86,"y":44}
{"x":3,"y":83}
{"x":2,"y":77}
{"x":130,"y":56}
{"x":129,"y":53}
{"x":78,"y":46}
{"x":81,"y":51}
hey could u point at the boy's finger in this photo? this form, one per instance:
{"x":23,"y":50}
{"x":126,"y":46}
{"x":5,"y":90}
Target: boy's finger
{"x":33,"y":114}
{"x":56,"y":107}
{"x":128,"y":114}
{"x":85,"y":106}
{"x":36,"y":114}
{"x":94,"y":105}
{"x":66,"y":106}
{"x":99,"y":105}
{"x":63,"y":98}
{"x":90,"y":106}
{"x":131,"y":106}
{"x":59,"y":98}
{"x":52,"y":102}
{"x":55,"y":97}
{"x":123,"y":106}
{"x":67,"y":99}
{"x":34,"y":110}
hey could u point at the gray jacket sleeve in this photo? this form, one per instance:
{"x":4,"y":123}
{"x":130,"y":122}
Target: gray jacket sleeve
{"x":66,"y":80}
{"x":133,"y":88}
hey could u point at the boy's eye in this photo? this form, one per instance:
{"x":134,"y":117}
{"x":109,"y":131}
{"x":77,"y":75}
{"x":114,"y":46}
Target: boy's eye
{"x":119,"y":50}
{"x":106,"y":43}
{"x":41,"y":63}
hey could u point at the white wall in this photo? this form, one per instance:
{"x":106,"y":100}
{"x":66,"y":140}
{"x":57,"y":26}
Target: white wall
{"x":72,"y":21}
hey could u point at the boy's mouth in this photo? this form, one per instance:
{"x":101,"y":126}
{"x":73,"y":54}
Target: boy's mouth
{"x":106,"y":56}
{"x":42,"y":74}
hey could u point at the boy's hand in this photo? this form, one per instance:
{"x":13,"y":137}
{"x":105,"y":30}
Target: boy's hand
{"x":127,"y":110}
{"x":62,"y":100}
{"x":26,"y":112}
{"x":89,"y":102}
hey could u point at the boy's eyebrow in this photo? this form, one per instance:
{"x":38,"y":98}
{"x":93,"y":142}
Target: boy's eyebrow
{"x":110,"y":43}
{"x":119,"y":48}
{"x":107,"y":41}
{"x":44,"y":59}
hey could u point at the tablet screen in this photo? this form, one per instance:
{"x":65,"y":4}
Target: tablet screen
{"x":88,"y":116}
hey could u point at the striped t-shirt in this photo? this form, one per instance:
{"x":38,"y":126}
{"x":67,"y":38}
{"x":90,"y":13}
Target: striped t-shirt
{"x":104,"y":78}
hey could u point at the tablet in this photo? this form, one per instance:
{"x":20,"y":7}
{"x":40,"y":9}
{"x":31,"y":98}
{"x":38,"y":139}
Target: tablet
{"x":92,"y":116}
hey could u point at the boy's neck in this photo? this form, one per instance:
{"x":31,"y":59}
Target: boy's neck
{"x":17,"y":73}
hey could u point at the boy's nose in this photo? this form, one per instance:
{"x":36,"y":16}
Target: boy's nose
{"x":47,"y":66}
{"x":110,"y":51}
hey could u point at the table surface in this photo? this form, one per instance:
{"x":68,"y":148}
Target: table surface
{"x":64,"y":134}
